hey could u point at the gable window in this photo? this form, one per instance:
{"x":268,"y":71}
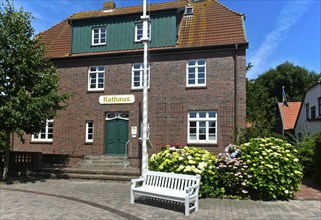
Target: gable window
{"x":98,"y":36}
{"x":307,"y":111}
{"x":46,"y":133}
{"x":196,"y":73}
{"x":139,"y":31}
{"x":96,"y":78}
{"x":138,"y":76}
{"x":202,"y":127}
{"x":313,"y":112}
{"x":89,"y":131}
{"x":319,"y":103}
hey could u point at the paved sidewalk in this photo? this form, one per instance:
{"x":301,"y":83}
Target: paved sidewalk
{"x":73,"y":199}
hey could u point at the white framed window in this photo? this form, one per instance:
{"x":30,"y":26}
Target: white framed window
{"x":98,"y":36}
{"x":196,"y":73}
{"x":46,"y":133}
{"x":89,"y":131}
{"x":137,"y":76}
{"x":139,"y":31}
{"x":202,"y":127}
{"x":96,"y":78}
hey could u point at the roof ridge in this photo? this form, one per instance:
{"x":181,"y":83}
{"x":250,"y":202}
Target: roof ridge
{"x":133,"y":6}
{"x":238,"y":13}
{"x":56,"y":24}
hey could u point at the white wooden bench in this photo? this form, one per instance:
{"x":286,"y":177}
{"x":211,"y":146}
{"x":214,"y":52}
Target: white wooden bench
{"x":168,"y":186}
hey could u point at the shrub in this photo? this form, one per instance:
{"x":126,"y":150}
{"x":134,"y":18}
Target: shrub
{"x":316,"y":157}
{"x":276,"y":170}
{"x":232,"y":173}
{"x":188,"y":160}
{"x":306,"y":151}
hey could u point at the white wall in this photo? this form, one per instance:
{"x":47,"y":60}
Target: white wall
{"x":303,"y":125}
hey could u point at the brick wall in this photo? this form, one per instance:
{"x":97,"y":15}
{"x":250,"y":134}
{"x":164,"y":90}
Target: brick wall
{"x":169,"y":101}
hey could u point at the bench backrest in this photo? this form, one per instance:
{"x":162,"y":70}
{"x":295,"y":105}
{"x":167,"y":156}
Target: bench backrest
{"x":170,"y":180}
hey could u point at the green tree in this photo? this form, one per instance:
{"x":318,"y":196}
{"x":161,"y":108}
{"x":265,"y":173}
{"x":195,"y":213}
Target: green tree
{"x":28,"y":80}
{"x":265,"y":91}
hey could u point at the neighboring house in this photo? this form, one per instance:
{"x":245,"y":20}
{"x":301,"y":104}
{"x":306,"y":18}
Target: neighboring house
{"x":309,"y":120}
{"x":197,"y":79}
{"x":288,"y":116}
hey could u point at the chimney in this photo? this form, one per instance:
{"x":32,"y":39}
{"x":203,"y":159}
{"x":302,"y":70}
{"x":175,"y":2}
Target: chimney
{"x":109,"y":6}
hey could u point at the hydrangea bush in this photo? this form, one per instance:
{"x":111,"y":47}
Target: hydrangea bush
{"x":274,"y":166}
{"x":188,"y":160}
{"x":232,"y":173}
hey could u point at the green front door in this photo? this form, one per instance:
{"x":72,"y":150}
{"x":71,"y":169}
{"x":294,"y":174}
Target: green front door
{"x":116,"y":137}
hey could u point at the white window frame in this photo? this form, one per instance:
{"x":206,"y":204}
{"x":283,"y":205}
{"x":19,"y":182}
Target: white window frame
{"x":89,"y":126}
{"x":97,"y":71}
{"x":141,"y":76}
{"x":198,"y":119}
{"x":100,"y":36}
{"x":47,"y":131}
{"x":138,"y":37}
{"x":197,"y":66}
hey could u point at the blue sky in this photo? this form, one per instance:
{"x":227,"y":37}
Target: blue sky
{"x":277,"y":30}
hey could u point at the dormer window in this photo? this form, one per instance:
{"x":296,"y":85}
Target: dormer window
{"x":139,"y":31}
{"x":189,"y":10}
{"x":98,"y":36}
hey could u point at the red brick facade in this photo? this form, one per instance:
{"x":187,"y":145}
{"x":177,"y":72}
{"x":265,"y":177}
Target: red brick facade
{"x":169,"y":100}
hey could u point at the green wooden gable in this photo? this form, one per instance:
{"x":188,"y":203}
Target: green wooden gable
{"x":121,"y":33}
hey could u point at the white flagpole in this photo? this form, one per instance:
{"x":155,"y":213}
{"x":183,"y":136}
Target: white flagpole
{"x":145,"y":39}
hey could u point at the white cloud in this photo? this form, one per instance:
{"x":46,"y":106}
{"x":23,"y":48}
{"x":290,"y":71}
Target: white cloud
{"x":290,"y":14}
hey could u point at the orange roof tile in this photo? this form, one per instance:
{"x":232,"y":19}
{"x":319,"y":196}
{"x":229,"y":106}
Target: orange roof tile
{"x":289,"y":114}
{"x":211,"y":24}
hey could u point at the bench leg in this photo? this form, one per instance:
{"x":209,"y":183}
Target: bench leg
{"x":196,"y":204}
{"x":132,"y":197}
{"x":186,"y":207}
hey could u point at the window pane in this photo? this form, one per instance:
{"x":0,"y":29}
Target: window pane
{"x":100,"y":68}
{"x":192,"y":115}
{"x":192,"y":137}
{"x":201,"y":81}
{"x":202,"y":137}
{"x":92,"y":69}
{"x":191,"y":62}
{"x":192,"y":124}
{"x":202,"y":115}
{"x":212,"y":114}
{"x":192,"y":130}
{"x":212,"y":137}
{"x":191,"y":70}
{"x":201,"y":62}
{"x":191,"y":81}
{"x":201,"y":70}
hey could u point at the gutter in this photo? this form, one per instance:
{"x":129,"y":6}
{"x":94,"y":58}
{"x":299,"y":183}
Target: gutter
{"x":235,"y":94}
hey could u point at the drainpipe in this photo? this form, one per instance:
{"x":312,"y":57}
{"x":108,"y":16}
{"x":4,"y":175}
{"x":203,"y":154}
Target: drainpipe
{"x":235,"y":95}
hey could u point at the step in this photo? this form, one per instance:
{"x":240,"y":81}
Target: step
{"x":104,"y":157}
{"x":83,"y":176}
{"x":103,"y":165}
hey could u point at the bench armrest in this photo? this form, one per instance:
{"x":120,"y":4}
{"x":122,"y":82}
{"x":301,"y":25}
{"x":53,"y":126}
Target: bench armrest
{"x":192,"y":190}
{"x":135,"y":181}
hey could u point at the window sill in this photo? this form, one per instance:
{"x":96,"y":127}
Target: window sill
{"x":97,"y":45}
{"x":138,"y":89}
{"x":95,"y":91}
{"x":314,"y":119}
{"x":41,"y":142}
{"x":202,"y":144}
{"x":195,"y":87}
{"x":89,"y":143}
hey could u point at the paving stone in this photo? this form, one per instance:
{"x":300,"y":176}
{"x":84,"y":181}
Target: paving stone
{"x":80,"y":199}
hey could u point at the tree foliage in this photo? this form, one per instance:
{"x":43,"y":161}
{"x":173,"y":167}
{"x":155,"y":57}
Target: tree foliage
{"x":28,"y":80}
{"x":264,"y":92}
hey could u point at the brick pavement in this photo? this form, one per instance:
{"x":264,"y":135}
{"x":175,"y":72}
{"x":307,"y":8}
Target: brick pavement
{"x":74,"y":199}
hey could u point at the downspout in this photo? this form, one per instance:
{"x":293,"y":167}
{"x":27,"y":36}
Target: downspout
{"x":235,"y":95}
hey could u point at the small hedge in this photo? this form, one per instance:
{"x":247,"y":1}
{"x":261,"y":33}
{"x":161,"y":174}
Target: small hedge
{"x":274,"y":166}
{"x":188,"y":160}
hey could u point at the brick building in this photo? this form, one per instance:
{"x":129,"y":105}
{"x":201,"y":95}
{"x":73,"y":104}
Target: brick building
{"x":197,"y":85}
